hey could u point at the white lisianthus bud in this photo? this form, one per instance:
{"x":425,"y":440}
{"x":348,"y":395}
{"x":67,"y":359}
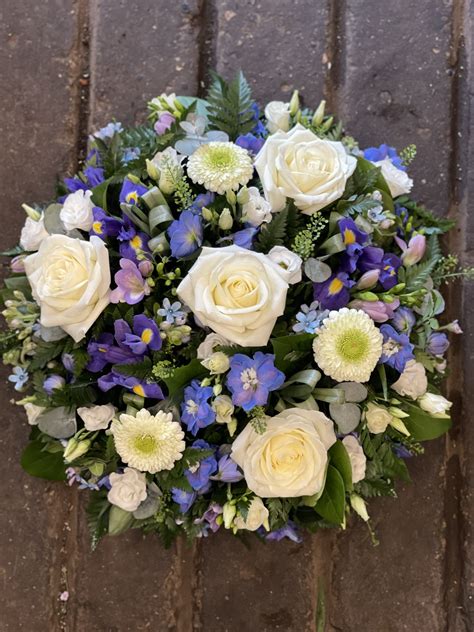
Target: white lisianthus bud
{"x":356,"y":456}
{"x":127,"y":490}
{"x":435,"y":405}
{"x":398,"y":181}
{"x":400,"y":426}
{"x":96,"y":417}
{"x":152,"y":170}
{"x":226,"y":220}
{"x":224,"y":409}
{"x":359,"y":506}
{"x":243,"y":195}
{"x":32,"y":234}
{"x":228,"y":515}
{"x":207,"y":214}
{"x":31,"y":212}
{"x":211,"y":341}
{"x":319,"y":114}
{"x":289,"y":261}
{"x":294,"y":103}
{"x":277,"y":114}
{"x":255,"y":210}
{"x":413,"y":381}
{"x":217,"y":363}
{"x":257,"y":517}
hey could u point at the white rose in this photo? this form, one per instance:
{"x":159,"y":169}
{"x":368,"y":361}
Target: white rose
{"x":289,"y":261}
{"x":32,"y":234}
{"x":70,"y":280}
{"x":397,"y":180}
{"x":412,"y":382}
{"x":256,"y":210}
{"x":127,"y":490}
{"x":277,"y":114}
{"x":33,"y":411}
{"x":224,"y":409}
{"x":357,"y":458}
{"x":299,"y":165}
{"x":211,"y":341}
{"x":289,"y":459}
{"x":77,"y":211}
{"x":257,"y":517}
{"x":436,"y":405}
{"x":236,"y":292}
{"x":216,"y":363}
{"x":377,"y":418}
{"x":96,"y":417}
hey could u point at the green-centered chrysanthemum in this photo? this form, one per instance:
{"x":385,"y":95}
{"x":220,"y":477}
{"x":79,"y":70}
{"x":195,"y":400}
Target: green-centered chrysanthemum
{"x":348,"y":346}
{"x":220,"y":167}
{"x":149,"y":443}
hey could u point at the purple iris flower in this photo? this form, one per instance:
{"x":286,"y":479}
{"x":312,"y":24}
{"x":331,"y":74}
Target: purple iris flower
{"x":184,"y":499}
{"x":438,"y":343}
{"x":139,"y":387}
{"x":244,"y":237}
{"x":354,"y":240}
{"x":97,"y":350}
{"x":94,"y":176}
{"x":130,"y":192}
{"x":228,"y":470}
{"x":199,"y":475}
{"x":251,"y":380}
{"x":196,"y":412}
{"x":131,"y":286}
{"x":103,"y":225}
{"x":375,"y":154}
{"x":145,"y":334}
{"x":251,"y":143}
{"x":373,"y":258}
{"x":52,"y":383}
{"x":75,"y":184}
{"x":186,"y":234}
{"x":290,"y":531}
{"x":133,"y":241}
{"x":333,"y":293}
{"x":404,"y":320}
{"x":396,"y":348}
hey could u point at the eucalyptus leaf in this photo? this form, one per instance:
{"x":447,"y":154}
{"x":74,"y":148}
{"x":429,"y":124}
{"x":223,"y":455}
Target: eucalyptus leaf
{"x":317,"y":271}
{"x":347,"y":416}
{"x":51,"y":334}
{"x":354,"y":391}
{"x":119,"y":520}
{"x":58,"y":422}
{"x":52,"y":221}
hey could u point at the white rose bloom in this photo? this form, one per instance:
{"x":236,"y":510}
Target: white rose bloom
{"x":299,"y":165}
{"x":257,"y":517}
{"x":211,"y":341}
{"x":357,"y":458}
{"x":398,"y":181}
{"x":436,"y":405}
{"x":224,"y":409}
{"x":216,"y":363}
{"x":256,"y":210}
{"x":96,"y":417}
{"x":33,"y":411}
{"x":277,"y":114}
{"x":33,"y":234}
{"x":236,"y":292}
{"x":127,"y":490}
{"x":289,"y":459}
{"x":377,"y":418}
{"x":77,"y":211}
{"x":412,"y":382}
{"x":289,"y":261}
{"x":70,"y":280}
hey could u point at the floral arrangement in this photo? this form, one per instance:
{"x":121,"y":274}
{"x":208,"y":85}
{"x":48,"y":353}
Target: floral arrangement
{"x":229,"y":319}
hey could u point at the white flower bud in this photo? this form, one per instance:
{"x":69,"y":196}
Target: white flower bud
{"x":226,"y":220}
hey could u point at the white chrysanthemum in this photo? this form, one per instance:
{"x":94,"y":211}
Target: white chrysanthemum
{"x":220,"y":167}
{"x":348,"y":345}
{"x":149,"y":443}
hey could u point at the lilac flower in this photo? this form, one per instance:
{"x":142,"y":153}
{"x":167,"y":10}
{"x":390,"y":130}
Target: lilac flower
{"x":379,"y":311}
{"x":211,"y":514}
{"x":145,"y":335}
{"x":164,"y":123}
{"x":139,"y":387}
{"x":404,"y":320}
{"x":309,"y":318}
{"x":172,"y":312}
{"x":244,"y":237}
{"x":290,"y":531}
{"x":333,"y":293}
{"x":196,"y":412}
{"x":354,"y":240}
{"x":184,"y":499}
{"x":186,"y":234}
{"x":376,"y":154}
{"x":104,"y":225}
{"x":52,"y":383}
{"x":19,"y":378}
{"x":251,"y":143}
{"x":414,"y":251}
{"x":131,"y":191}
{"x":199,"y":475}
{"x":94,"y":176}
{"x":396,"y":348}
{"x":108,"y":131}
{"x":438,"y":343}
{"x":130,"y":154}
{"x":228,"y":471}
{"x":251,"y":380}
{"x":131,"y":286}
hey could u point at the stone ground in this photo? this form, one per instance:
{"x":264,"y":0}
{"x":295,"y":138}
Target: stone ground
{"x":396,"y":72}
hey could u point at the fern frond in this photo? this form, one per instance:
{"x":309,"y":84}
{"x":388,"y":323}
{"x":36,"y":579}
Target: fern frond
{"x":230,"y":105}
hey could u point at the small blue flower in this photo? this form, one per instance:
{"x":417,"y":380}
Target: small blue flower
{"x":199,"y":475}
{"x":108,"y":131}
{"x":310,"y":318}
{"x":186,"y":234}
{"x":130,"y":154}
{"x":244,"y":237}
{"x":403,"y":320}
{"x":68,"y":362}
{"x":172,"y":312}
{"x":184,"y":499}
{"x":290,"y":531}
{"x":376,"y":154}
{"x":250,"y":380}
{"x":196,"y":412}
{"x":19,"y":377}
{"x":396,"y":348}
{"x":438,"y":343}
{"x":52,"y":383}
{"x":251,"y":143}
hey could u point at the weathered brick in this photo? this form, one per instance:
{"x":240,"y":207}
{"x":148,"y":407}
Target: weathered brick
{"x":278,"y":45}
{"x":139,"y":50}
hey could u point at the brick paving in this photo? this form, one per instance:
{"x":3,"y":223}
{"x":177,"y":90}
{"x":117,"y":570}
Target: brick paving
{"x":398,"y":72}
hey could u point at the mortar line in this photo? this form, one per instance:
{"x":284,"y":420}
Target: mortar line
{"x":334,"y":52}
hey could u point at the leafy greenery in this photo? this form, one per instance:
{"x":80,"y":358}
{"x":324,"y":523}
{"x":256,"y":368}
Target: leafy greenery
{"x":274,"y":233}
{"x":37,"y":460}
{"x":230,"y":105}
{"x":331,"y":505}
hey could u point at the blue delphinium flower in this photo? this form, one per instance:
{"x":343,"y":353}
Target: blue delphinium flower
{"x":227,"y":470}
{"x":184,"y":499}
{"x":309,"y":318}
{"x":199,"y":475}
{"x":251,"y":143}
{"x":251,"y":380}
{"x":196,"y":412}
{"x":290,"y":531}
{"x":201,"y":200}
{"x":19,"y":377}
{"x":244,"y":237}
{"x":108,"y":131}
{"x":186,"y":234}
{"x":333,"y":293}
{"x":396,"y":348}
{"x":375,"y":154}
{"x":130,"y":154}
{"x":52,"y":383}
{"x":438,"y":343}
{"x":404,"y":320}
{"x":172,"y":312}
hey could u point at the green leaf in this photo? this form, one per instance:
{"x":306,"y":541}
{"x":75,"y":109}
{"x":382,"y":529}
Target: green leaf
{"x":286,"y":347}
{"x":37,"y":461}
{"x":47,"y":351}
{"x":140,"y":370}
{"x":331,"y":505}
{"x":183,"y":376}
{"x":119,"y":520}
{"x":230,"y":105}
{"x":422,"y":426}
{"x":340,"y":459}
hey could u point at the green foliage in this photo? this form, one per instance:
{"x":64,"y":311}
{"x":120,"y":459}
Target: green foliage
{"x":417,"y":275}
{"x":273,"y":233}
{"x":340,"y":459}
{"x":230,"y":105}
{"x":365,"y":179}
{"x":182,"y":376}
{"x":331,"y":506}
{"x":97,"y":516}
{"x":141,"y":370}
{"x":422,"y":426}
{"x":47,"y":351}
{"x":74,"y":395}
{"x":423,"y":218}
{"x":290,"y":349}
{"x":38,"y":460}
